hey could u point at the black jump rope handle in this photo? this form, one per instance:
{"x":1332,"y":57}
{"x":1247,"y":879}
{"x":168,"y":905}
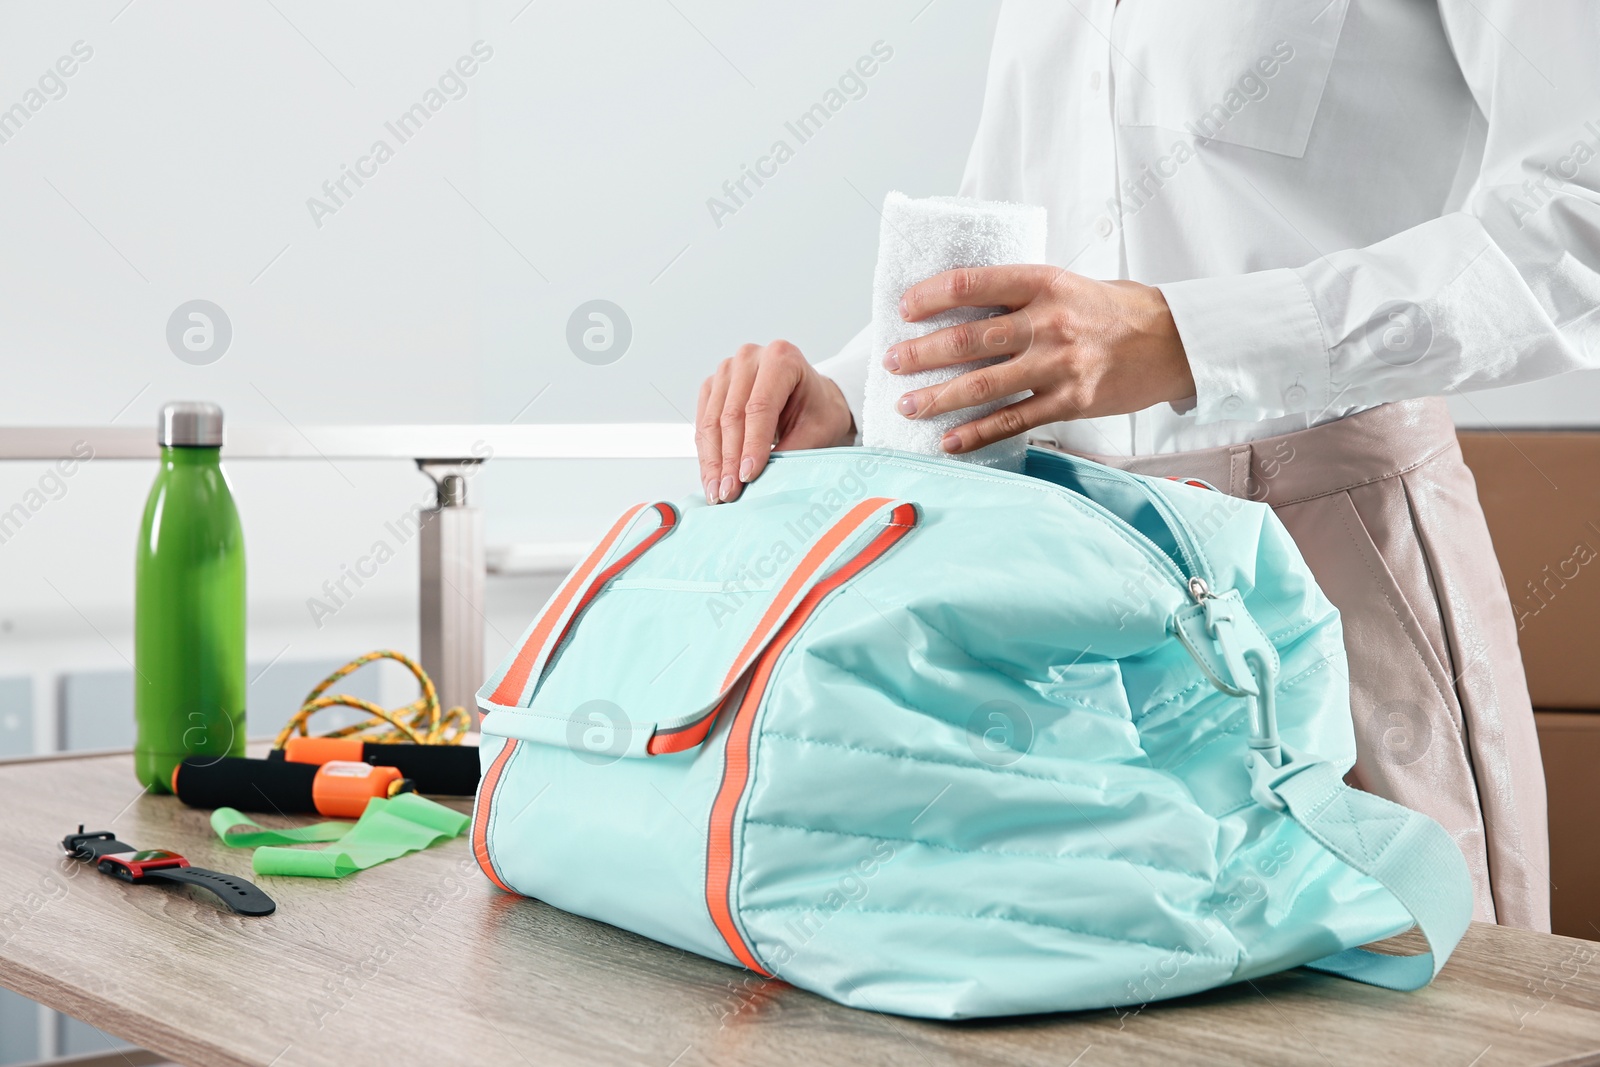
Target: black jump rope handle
{"x":444,"y":770}
{"x":277,"y":785}
{"x":262,"y":785}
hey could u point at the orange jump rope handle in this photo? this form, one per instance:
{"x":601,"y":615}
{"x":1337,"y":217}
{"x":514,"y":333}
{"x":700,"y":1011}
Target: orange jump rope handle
{"x":342,"y":788}
{"x":323,"y":749}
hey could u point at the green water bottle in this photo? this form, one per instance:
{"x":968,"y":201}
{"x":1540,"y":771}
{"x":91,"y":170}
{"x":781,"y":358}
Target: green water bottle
{"x":188,"y":635}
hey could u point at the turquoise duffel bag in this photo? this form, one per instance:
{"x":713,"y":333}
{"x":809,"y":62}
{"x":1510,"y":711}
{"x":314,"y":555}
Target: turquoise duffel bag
{"x":938,"y":740}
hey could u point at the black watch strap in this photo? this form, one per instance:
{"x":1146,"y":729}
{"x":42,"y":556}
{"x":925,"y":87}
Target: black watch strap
{"x":236,"y":893}
{"x":86,"y":847}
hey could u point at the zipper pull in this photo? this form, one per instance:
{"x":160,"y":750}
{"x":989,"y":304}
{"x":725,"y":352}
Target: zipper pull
{"x":1237,"y":656}
{"x":1241,"y":640}
{"x":1220,"y":625}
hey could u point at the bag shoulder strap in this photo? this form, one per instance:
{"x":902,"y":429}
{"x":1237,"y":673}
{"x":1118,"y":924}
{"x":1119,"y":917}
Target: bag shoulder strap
{"x":1407,"y":853}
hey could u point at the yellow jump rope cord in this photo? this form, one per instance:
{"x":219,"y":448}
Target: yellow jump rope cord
{"x":419,"y":722}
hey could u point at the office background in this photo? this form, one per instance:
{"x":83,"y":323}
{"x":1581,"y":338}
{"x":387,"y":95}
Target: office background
{"x":177,"y":163}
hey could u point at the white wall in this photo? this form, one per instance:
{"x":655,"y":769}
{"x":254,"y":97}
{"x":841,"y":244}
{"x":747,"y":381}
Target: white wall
{"x":577,"y":165}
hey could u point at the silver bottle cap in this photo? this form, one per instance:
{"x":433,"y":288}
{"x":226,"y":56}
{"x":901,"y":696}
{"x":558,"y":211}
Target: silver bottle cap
{"x":190,"y":424}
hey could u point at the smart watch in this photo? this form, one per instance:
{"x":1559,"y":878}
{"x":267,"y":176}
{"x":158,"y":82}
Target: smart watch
{"x":142,"y":866}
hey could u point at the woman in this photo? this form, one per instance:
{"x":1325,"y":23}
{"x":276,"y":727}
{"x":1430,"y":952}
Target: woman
{"x":1336,"y":212}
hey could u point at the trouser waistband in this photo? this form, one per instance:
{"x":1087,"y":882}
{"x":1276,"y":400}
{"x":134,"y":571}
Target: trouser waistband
{"x":1358,"y":449}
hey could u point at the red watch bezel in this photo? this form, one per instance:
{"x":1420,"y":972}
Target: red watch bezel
{"x":137,"y":868}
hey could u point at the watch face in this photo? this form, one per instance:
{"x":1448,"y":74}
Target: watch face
{"x":150,"y":855}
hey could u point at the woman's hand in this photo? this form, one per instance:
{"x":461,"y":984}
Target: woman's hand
{"x":761,"y":398}
{"x":1085,"y":348}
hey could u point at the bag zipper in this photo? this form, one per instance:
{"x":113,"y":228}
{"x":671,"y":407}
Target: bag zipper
{"x":1198,"y":568}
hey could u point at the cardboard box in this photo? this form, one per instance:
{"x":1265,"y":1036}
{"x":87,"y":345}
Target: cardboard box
{"x":1541,"y":495}
{"x":1570,"y":741}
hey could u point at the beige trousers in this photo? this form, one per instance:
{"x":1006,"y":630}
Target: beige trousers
{"x":1387,"y":516}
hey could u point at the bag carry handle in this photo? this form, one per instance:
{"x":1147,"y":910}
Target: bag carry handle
{"x":1407,"y":853}
{"x":822,"y":559}
{"x":543,"y":638}
{"x":834,"y":548}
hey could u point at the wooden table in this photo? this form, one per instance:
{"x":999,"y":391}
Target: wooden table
{"x":421,"y":961}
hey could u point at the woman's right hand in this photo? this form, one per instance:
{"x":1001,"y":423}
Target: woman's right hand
{"x":761,"y":398}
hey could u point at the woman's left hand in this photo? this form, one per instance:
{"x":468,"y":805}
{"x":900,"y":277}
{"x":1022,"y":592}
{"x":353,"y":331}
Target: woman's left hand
{"x":1085,"y":348}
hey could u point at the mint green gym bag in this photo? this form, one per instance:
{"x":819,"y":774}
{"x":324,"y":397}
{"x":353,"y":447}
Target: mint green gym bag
{"x":933,"y":739}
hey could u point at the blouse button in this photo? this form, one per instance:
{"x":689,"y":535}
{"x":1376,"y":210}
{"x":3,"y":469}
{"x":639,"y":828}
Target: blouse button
{"x":1102,"y":226}
{"x":1232,"y":404}
{"x":1295,"y":396}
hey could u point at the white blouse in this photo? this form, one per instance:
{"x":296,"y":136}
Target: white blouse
{"x":1345,"y":202}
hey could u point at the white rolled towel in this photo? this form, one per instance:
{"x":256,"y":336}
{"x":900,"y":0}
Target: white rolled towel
{"x":918,"y":239}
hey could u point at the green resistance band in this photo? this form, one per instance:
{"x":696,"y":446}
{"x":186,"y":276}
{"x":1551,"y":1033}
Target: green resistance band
{"x":387,"y":830}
